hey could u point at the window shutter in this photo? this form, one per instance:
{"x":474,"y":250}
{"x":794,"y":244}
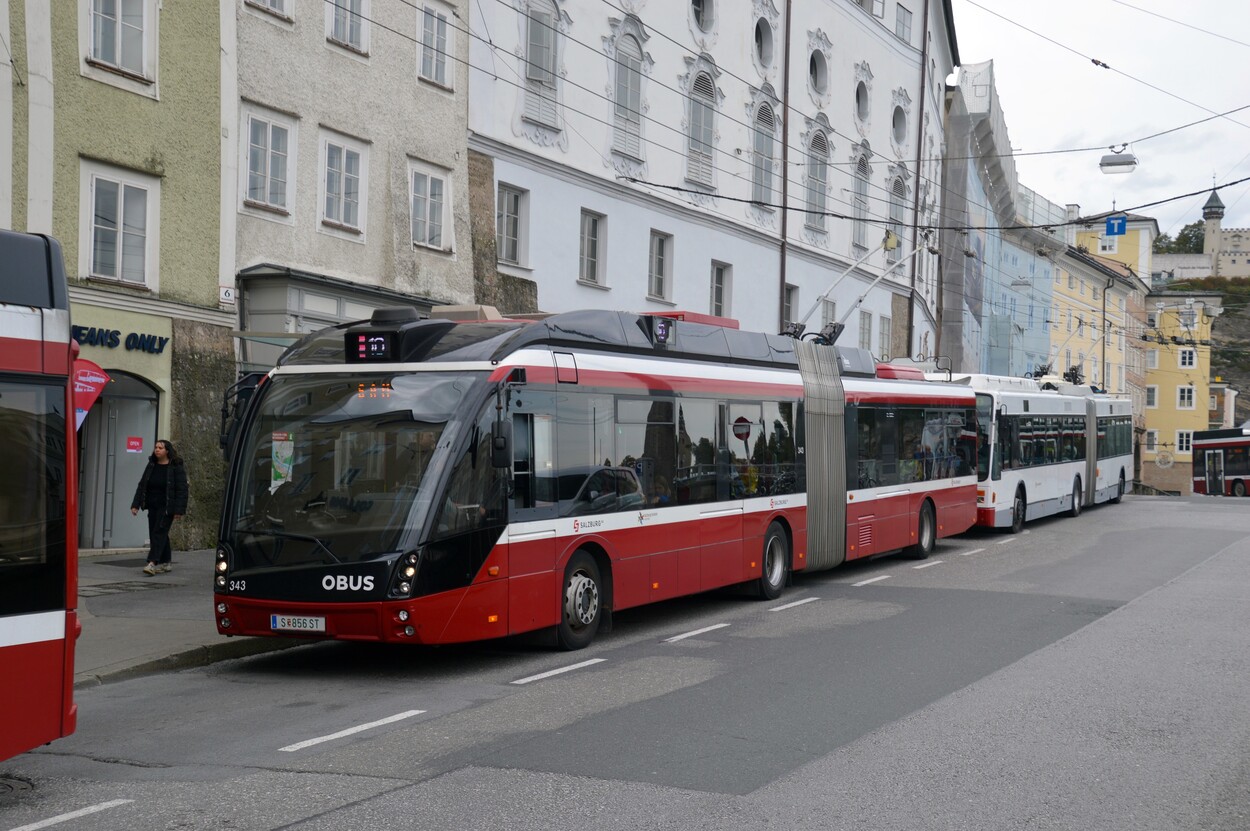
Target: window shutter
{"x":702,"y":131}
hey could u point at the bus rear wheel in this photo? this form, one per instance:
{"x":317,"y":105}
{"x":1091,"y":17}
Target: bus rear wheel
{"x":1119,"y":493}
{"x":1239,"y":488}
{"x":926,"y":533}
{"x":775,"y":561}
{"x":581,"y":602}
{"x":1075,"y":510}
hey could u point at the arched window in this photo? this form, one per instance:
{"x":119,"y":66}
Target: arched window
{"x":817,"y":180}
{"x":702,"y":129}
{"x":627,"y":138}
{"x":762,"y":155}
{"x":540,"y":63}
{"x":898,"y":195}
{"x":860,"y":203}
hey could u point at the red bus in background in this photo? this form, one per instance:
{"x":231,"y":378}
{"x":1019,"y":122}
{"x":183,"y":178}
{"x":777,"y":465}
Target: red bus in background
{"x":430,"y":481}
{"x":1222,"y":461}
{"x":38,"y":497}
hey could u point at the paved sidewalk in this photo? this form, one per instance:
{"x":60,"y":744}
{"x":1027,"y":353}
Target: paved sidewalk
{"x":134,"y":624}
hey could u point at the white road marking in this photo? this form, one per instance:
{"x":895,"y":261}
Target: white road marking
{"x":929,"y":564}
{"x":540,"y":676}
{"x":57,"y":820}
{"x":871,"y":580}
{"x":351,"y":730}
{"x":795,"y":603}
{"x":1004,"y":542}
{"x":711,"y":628}
{"x":969,"y":553}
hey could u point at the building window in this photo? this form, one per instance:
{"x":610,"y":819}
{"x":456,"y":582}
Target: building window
{"x":702,"y":115}
{"x":659,"y":266}
{"x":818,"y":72}
{"x":343,"y":185}
{"x":511,"y":210}
{"x":1184,"y":398}
{"x":118,"y":34}
{"x":704,"y":14}
{"x":865,"y":331}
{"x":120,"y":233}
{"x":1211,"y":402}
{"x":1152,"y":359}
{"x":817,"y":180}
{"x":627,"y":135}
{"x":430,"y":208}
{"x":1107,"y":245}
{"x":1152,"y":441}
{"x":590,"y":258}
{"x":789,"y":297}
{"x":1071,"y":282}
{"x":883,"y":338}
{"x":859,"y":203}
{"x":347,"y":24}
{"x":902,"y":24}
{"x":541,"y":100}
{"x":278,"y":7}
{"x":898,"y":197}
{"x":762,"y":157}
{"x":434,"y":45}
{"x":1188,"y":358}
{"x":1184,"y":441}
{"x":828,"y":312}
{"x":722,"y":276}
{"x":1152,"y":396}
{"x":1152,"y":320}
{"x":268,"y":163}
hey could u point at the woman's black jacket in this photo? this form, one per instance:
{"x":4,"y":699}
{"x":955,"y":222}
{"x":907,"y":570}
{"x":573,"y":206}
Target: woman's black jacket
{"x":175,"y":488}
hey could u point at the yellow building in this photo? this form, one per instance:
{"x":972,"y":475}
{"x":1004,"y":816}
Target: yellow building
{"x":1093,"y":299}
{"x":1177,"y":344}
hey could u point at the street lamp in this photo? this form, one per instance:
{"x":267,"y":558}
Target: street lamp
{"x":1118,"y":161}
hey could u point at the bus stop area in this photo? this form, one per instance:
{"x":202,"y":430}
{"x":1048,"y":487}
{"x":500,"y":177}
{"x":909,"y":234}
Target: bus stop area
{"x":135,"y":624}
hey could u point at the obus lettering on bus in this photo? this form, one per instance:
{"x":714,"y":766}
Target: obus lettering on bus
{"x":343,"y":583}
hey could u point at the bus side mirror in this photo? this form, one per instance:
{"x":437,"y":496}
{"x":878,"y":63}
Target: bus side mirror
{"x":501,"y":444}
{"x":234,"y":407}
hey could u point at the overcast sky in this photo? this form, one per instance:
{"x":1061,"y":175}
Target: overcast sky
{"x":1055,"y":99}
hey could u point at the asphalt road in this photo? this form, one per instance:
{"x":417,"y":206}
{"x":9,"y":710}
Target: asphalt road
{"x":1090,"y":673}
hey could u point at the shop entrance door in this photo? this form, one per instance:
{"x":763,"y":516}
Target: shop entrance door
{"x":116,"y":441}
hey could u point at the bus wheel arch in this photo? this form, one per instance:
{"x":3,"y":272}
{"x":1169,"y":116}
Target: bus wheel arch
{"x":585,"y":597}
{"x":1019,"y":510}
{"x":775,"y":560}
{"x":926,"y":532}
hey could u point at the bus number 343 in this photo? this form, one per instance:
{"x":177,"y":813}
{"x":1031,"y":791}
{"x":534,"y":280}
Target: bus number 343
{"x":238,"y":585}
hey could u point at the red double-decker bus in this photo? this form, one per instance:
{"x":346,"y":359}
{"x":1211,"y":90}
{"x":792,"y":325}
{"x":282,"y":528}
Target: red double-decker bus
{"x":38,"y":497}
{"x":429,"y":481}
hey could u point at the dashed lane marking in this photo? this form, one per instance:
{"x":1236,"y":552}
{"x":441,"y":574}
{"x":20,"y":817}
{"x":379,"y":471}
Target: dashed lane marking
{"x":540,"y":676}
{"x":57,"y":820}
{"x":871,"y":580}
{"x":711,"y":628}
{"x":290,"y":748}
{"x":970,"y":553}
{"x":795,"y":603}
{"x":929,"y":564}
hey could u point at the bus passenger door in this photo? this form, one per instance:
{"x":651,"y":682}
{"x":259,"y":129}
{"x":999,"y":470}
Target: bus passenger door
{"x":1215,"y":472}
{"x":533,"y":584}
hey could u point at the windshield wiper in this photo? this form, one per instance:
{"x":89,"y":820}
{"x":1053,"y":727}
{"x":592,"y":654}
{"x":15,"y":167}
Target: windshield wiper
{"x":294,"y":536}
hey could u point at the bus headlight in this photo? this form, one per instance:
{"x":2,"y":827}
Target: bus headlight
{"x":405,"y":574}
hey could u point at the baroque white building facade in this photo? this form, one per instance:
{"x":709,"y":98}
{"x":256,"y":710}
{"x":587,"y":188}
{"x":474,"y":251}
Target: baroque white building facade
{"x":718,"y":158}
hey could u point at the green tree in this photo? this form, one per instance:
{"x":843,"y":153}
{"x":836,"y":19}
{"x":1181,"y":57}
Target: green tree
{"x":1188,"y":240}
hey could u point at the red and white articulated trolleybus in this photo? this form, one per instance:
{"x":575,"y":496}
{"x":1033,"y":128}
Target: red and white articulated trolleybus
{"x":427,"y":481}
{"x":38,"y":497}
{"x":1047,"y":447}
{"x":1222,"y":461}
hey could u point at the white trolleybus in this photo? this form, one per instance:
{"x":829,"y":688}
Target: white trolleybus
{"x":431,"y":481}
{"x":1046,"y":447}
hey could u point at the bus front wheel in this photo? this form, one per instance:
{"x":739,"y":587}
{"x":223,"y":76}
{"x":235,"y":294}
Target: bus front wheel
{"x":1075,"y":510}
{"x":774,"y":563}
{"x":1018,"y":508}
{"x":581,"y":602}
{"x":1239,"y":488}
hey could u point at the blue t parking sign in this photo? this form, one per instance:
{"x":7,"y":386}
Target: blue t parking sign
{"x":1117,"y":226}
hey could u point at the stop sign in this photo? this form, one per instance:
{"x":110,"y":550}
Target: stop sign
{"x":742,"y":428}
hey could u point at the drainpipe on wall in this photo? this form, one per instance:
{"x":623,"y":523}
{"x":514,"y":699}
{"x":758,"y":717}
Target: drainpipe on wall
{"x":785,"y":170}
{"x":915,"y":209}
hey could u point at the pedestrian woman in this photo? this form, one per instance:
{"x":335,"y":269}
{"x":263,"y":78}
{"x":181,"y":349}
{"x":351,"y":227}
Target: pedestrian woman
{"x":162,"y":492}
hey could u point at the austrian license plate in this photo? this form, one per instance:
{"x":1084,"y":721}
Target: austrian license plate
{"x":293,"y":623}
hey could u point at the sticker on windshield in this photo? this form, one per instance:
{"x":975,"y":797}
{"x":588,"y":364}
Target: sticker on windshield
{"x":283,"y":460}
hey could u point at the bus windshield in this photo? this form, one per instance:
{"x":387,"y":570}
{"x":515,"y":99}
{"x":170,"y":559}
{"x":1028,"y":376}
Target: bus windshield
{"x":338,"y":467}
{"x":985,"y":418}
